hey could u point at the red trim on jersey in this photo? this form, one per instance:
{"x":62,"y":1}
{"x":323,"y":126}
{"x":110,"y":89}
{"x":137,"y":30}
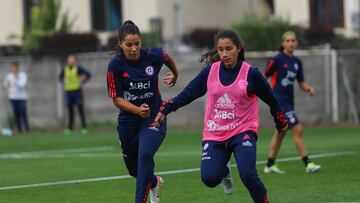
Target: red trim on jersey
{"x":147,"y":193}
{"x":268,"y":67}
{"x":111,"y":85}
{"x":274,"y":79}
{"x":266,"y":200}
{"x":165,"y":55}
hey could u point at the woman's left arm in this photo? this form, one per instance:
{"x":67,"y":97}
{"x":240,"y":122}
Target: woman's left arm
{"x":304,"y":86}
{"x":170,"y":77}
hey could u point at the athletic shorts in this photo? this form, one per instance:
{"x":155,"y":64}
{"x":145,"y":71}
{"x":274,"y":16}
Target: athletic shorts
{"x":293,"y":120}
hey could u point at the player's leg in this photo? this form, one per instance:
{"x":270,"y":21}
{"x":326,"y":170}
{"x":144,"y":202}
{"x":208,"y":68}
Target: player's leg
{"x":16,"y":109}
{"x":244,"y":149}
{"x":214,"y":159}
{"x":24,"y":115}
{"x":150,"y":139}
{"x":129,"y":142}
{"x":275,"y":145}
{"x":299,"y":139}
{"x":310,"y":166}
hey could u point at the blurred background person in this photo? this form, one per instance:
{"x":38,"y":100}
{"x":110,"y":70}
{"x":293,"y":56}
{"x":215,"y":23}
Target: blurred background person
{"x":284,"y":68}
{"x":15,"y":83}
{"x":73,"y":78}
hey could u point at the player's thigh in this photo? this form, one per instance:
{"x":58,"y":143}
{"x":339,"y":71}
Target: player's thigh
{"x":214,"y":157}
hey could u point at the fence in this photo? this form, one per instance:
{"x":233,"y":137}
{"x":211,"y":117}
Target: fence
{"x":334,"y":74}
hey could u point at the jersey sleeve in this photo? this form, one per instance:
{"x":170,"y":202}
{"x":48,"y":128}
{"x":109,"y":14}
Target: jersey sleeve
{"x":258,"y":85}
{"x":195,"y":89}
{"x":114,"y":80}
{"x":300,"y":73}
{"x":83,"y":71}
{"x":270,"y":68}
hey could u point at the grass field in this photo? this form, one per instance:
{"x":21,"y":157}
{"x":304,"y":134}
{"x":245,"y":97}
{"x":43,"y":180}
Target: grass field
{"x":52,"y":158}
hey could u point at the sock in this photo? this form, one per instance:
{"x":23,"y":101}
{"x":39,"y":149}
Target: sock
{"x":270,"y":162}
{"x":306,"y":160}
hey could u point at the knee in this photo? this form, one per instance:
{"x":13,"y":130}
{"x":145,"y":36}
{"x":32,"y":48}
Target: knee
{"x":146,"y":156}
{"x":210,"y":181}
{"x":248,"y":177}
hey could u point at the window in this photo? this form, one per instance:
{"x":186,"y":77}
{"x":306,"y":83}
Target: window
{"x":27,"y":5}
{"x":327,"y":13}
{"x":106,"y":14}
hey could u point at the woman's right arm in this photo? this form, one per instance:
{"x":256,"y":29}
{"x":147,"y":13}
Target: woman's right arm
{"x":114,"y":86}
{"x":123,"y":104}
{"x":195,"y":89}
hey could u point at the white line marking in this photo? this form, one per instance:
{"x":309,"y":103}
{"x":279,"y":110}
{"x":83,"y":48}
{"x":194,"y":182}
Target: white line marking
{"x":159,"y":173}
{"x":54,"y":153}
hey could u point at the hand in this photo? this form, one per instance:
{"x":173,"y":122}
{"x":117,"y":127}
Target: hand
{"x":160,"y":117}
{"x":143,"y":111}
{"x":169,"y":79}
{"x":83,"y":78}
{"x":311,"y":91}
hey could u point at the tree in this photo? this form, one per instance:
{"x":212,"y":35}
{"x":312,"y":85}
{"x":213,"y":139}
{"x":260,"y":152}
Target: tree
{"x":43,"y":21}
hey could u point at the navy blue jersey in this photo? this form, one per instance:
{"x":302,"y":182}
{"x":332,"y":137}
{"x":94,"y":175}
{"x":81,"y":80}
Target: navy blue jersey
{"x":257,"y":86}
{"x":283,"y":71}
{"x":136,"y":81}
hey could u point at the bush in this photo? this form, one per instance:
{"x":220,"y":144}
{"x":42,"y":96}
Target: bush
{"x":65,"y":43}
{"x":201,"y":37}
{"x":263,"y":34}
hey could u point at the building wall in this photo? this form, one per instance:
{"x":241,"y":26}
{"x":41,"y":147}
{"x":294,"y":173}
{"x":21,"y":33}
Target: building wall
{"x":351,"y":12}
{"x":11,"y":21}
{"x":297,"y":12}
{"x":80,"y":12}
{"x":205,"y":14}
{"x":140,"y":12}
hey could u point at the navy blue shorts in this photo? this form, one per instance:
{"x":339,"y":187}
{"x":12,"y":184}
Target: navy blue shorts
{"x":293,"y":120}
{"x":74,"y":97}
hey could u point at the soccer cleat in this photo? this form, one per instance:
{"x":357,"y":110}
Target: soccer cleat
{"x":83,"y":131}
{"x":273,"y":169}
{"x":155,"y":192}
{"x":227,"y":182}
{"x":312,"y":167}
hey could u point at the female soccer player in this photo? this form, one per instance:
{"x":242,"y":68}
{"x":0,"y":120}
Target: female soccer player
{"x":284,"y":68}
{"x":132,"y":81}
{"x":231,"y":116}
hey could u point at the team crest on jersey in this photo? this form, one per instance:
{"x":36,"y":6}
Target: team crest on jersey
{"x":149,"y":71}
{"x":296,"y":66}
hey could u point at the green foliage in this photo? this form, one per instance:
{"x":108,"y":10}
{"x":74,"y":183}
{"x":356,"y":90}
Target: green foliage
{"x":43,"y":24}
{"x":262,"y":33}
{"x":150,"y":39}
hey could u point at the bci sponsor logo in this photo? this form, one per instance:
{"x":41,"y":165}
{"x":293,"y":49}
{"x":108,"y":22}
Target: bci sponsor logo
{"x":139,"y":85}
{"x":224,"y":114}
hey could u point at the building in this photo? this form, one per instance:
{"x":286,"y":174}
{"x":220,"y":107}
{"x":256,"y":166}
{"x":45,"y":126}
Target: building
{"x":342,"y":15}
{"x":172,"y":18}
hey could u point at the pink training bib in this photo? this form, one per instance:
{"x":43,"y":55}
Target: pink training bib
{"x":229,"y":110}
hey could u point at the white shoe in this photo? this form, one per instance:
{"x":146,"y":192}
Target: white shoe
{"x":312,"y":167}
{"x":227,"y":183}
{"x":154,"y":193}
{"x":273,"y":169}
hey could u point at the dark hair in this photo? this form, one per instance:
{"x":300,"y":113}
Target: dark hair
{"x":213,"y":56}
{"x":128,"y":28}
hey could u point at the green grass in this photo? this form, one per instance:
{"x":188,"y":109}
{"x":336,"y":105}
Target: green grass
{"x":55,"y":157}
